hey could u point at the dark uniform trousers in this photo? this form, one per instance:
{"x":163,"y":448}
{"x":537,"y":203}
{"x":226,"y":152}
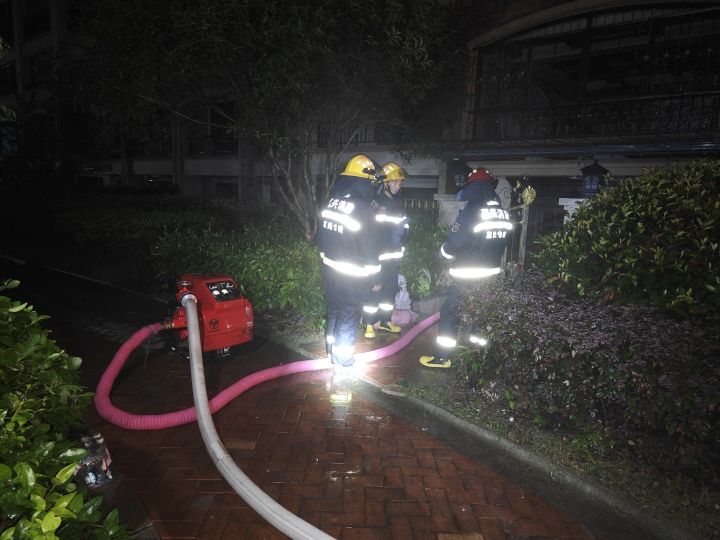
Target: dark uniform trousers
{"x":344,"y":296}
{"x":449,"y":319}
{"x":385,"y":296}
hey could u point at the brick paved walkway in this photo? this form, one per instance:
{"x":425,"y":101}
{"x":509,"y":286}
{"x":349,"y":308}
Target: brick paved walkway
{"x":324,"y":452}
{"x":312,"y":441}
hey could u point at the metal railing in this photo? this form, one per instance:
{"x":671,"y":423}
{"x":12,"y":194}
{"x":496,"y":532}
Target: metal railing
{"x":152,"y":148}
{"x":213,"y":146}
{"x":686,"y":115}
{"x":351,"y":135}
{"x":422,"y":211}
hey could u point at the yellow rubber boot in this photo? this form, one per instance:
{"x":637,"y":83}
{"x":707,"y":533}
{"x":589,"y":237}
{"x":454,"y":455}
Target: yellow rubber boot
{"x":389,"y":327}
{"x":432,"y":362}
{"x":369,"y":331}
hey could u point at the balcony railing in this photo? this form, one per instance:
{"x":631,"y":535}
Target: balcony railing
{"x":152,"y":148}
{"x":352,"y":136}
{"x":213,"y":146}
{"x":681,"y":116}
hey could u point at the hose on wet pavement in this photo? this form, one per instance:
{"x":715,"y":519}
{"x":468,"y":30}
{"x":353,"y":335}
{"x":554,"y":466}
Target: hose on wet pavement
{"x":160,"y":421}
{"x":276,"y":514}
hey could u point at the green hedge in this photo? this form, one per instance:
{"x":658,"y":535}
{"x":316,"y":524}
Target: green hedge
{"x":147,"y":241}
{"x":278,"y":268}
{"x":114,"y":235}
{"x":40,"y":400}
{"x":274,"y":266}
{"x":653,"y":240}
{"x":421,"y":265}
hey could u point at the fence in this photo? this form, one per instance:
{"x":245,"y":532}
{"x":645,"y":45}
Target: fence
{"x":422,"y":211}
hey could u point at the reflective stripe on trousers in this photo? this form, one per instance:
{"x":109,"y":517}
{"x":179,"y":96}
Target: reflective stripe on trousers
{"x":383,"y":300}
{"x":344,"y":296}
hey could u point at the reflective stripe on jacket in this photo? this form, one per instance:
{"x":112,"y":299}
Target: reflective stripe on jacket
{"x":347,"y":236}
{"x":393,"y":226}
{"x":477,"y":240}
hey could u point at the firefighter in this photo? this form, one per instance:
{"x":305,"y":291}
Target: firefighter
{"x":393,"y":227}
{"x":475,"y":247}
{"x":350,"y":251}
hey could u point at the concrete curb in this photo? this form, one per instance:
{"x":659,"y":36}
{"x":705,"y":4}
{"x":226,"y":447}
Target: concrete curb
{"x":644,"y":518}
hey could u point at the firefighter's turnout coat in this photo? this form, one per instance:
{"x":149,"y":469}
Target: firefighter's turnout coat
{"x":477,"y":240}
{"x":475,"y":247}
{"x":350,"y":249}
{"x":393,"y":225}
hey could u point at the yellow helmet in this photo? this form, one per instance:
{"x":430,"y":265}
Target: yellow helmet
{"x":361,"y":166}
{"x":394,"y":173}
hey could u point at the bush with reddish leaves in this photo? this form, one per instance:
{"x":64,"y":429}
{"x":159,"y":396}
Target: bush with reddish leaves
{"x":649,"y":379}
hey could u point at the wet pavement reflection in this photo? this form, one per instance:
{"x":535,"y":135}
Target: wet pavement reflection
{"x":339,"y":450}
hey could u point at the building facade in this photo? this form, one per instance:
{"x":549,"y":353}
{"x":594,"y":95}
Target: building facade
{"x":557,"y":86}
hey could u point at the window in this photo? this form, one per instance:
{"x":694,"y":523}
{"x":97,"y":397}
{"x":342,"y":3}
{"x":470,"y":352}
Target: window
{"x":6,"y":24}
{"x":8,"y":79}
{"x":40,"y":67}
{"x":225,"y":189}
{"x":36,"y":24}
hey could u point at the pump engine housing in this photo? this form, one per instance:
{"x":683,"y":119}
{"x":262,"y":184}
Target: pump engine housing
{"x":225,"y":315}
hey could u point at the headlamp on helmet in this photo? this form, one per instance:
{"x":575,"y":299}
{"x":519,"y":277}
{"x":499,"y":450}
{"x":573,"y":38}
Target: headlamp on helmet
{"x":363,"y":166}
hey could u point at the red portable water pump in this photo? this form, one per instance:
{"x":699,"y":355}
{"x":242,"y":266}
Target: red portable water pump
{"x":225,"y":316}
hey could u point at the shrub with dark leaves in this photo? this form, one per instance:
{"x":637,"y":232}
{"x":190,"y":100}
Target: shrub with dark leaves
{"x":651,"y":379}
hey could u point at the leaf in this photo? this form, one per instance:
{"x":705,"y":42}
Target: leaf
{"x":38,"y":501}
{"x":65,"y":500}
{"x":64,"y":513}
{"x":112,"y":519}
{"x":76,"y":504}
{"x":66,"y":473}
{"x":25,"y":474}
{"x":5,"y":473}
{"x":89,"y":512}
{"x":17,"y":308}
{"x":73,"y":454}
{"x":50,"y":522}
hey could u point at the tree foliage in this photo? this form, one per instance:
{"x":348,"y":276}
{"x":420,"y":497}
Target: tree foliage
{"x":294,"y":69}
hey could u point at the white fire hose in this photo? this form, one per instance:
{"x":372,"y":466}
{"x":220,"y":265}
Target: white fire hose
{"x":276,"y":514}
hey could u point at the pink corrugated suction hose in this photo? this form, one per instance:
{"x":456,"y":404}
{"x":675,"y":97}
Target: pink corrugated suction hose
{"x":161,"y":421}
